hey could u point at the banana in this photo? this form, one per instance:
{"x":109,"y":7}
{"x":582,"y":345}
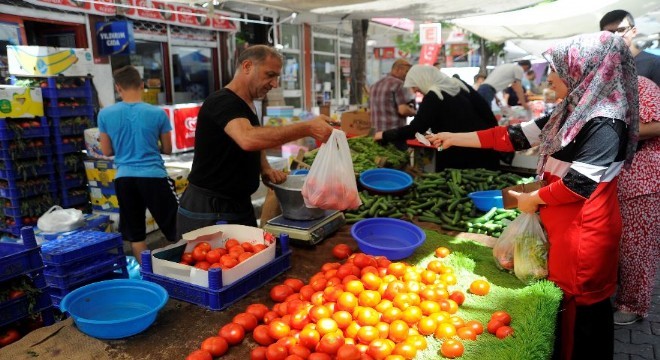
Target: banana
{"x":59,"y":67}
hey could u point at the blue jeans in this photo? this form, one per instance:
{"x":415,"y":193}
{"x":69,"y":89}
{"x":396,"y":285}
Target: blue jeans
{"x":487,"y":92}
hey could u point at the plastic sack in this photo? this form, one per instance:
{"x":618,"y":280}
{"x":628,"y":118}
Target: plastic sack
{"x":330,"y":184}
{"x":57,"y":219}
{"x":503,"y":248}
{"x":530,"y":253}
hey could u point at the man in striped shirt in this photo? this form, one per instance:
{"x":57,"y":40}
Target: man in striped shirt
{"x":390,"y":101}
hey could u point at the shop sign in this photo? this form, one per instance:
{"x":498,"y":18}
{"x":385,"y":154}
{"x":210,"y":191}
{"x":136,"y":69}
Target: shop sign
{"x":429,"y":54}
{"x":100,"y":7}
{"x":48,"y":61}
{"x":196,"y":18}
{"x":115,"y":38}
{"x":384,"y":53}
{"x":184,"y":123}
{"x":430,"y":34}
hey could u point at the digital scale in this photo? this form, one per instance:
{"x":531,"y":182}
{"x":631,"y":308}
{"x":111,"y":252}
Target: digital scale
{"x":306,"y":232}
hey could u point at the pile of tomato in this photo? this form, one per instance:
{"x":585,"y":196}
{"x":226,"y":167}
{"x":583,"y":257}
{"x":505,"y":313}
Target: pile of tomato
{"x":364,"y":308}
{"x":233,"y":253}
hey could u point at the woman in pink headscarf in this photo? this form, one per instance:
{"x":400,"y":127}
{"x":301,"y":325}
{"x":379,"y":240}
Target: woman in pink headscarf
{"x":639,"y":195}
{"x":584,"y":144}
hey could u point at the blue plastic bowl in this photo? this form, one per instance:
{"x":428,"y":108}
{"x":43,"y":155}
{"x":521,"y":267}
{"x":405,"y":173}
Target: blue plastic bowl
{"x":485,"y":200}
{"x":393,"y":238}
{"x":300,"y":172}
{"x":115,"y":309}
{"x":385,"y":180}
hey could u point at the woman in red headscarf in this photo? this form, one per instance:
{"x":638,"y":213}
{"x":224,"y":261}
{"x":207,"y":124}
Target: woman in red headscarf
{"x":584,"y":144}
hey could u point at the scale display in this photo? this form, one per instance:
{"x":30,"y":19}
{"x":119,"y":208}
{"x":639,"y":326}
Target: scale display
{"x":309,"y":231}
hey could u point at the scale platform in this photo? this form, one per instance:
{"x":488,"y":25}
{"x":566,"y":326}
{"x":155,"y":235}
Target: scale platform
{"x":309,"y":232}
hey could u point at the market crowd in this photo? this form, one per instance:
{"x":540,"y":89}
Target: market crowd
{"x":599,"y":152}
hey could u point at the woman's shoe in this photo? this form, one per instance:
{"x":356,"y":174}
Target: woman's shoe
{"x":625,"y":318}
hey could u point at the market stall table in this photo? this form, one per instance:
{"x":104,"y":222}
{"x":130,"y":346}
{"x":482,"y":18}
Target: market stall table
{"x":181,"y":327}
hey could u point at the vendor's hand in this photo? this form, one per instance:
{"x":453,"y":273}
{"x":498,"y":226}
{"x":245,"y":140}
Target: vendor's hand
{"x":526,"y":202}
{"x":378,"y":136}
{"x":319,"y":128}
{"x":273,"y":176}
{"x":443,"y":140}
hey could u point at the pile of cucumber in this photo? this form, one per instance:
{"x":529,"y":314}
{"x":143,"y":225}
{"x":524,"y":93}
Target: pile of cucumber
{"x":441,"y":198}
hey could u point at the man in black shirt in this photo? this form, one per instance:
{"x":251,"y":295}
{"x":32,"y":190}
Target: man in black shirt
{"x":620,"y":22}
{"x":229,"y":144}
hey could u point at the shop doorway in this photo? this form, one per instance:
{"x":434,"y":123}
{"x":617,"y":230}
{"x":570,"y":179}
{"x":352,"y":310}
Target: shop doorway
{"x":55,"y":34}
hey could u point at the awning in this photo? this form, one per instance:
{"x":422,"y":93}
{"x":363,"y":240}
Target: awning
{"x":559,"y":19}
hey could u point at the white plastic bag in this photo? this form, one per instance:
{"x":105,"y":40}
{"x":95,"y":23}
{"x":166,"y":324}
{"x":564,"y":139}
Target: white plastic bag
{"x":530,"y":253}
{"x":330,"y":184}
{"x":503,"y":248}
{"x":57,"y":219}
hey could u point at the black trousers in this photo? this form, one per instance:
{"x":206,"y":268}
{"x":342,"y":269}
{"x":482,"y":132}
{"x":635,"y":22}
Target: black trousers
{"x":594,"y":332}
{"x":137,"y":194}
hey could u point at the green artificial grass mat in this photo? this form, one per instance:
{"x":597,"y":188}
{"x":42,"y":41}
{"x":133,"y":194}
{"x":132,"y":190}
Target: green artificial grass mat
{"x":533,"y":308}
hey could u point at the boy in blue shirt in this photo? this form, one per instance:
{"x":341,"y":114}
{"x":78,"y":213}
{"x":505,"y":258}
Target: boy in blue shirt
{"x":130,"y":130}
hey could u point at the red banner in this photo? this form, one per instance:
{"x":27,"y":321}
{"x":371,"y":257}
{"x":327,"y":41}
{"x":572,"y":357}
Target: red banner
{"x":74,"y":5}
{"x":185,"y":124}
{"x":385,"y":53}
{"x":429,"y":54}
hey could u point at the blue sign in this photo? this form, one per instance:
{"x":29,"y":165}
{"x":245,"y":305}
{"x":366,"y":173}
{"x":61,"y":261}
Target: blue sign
{"x":115,"y":38}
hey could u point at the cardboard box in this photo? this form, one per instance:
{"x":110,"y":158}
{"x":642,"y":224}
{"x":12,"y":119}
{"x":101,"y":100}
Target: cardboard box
{"x":165,"y":260}
{"x":20,"y":102}
{"x":180,"y":177}
{"x":100,"y":172}
{"x":356,"y":122}
{"x":511,"y":202}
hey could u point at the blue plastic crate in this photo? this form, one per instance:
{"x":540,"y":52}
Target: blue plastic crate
{"x":71,"y":180}
{"x":6,"y":133}
{"x":16,"y":259}
{"x":57,"y":294}
{"x":105,"y":209}
{"x":82,"y":89}
{"x":18,"y":189}
{"x":214,"y":298}
{"x":64,"y":111}
{"x":16,"y":309}
{"x":10,"y":169}
{"x":67,"y":200}
{"x":78,"y":246}
{"x":97,"y":222}
{"x":84,"y":272}
{"x":71,"y":162}
{"x":62,"y":148}
{"x":75,"y":266}
{"x":10,"y":150}
{"x":66,"y":126}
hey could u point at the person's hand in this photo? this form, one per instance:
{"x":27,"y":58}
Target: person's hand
{"x":526,"y":202}
{"x":443,"y":140}
{"x":320,"y":128}
{"x":273,"y":176}
{"x":378,"y":136}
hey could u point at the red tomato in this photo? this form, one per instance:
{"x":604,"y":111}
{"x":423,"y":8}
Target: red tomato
{"x":295,"y":284}
{"x":204,"y":265}
{"x":9,"y":336}
{"x":199,"y":254}
{"x":246,"y":320}
{"x":247,"y":247}
{"x":233,"y":333}
{"x":259,"y":353}
{"x":466,"y":333}
{"x":330,"y":343}
{"x":15,"y":294}
{"x":199,"y":355}
{"x":276,"y":352}
{"x":215,"y":345}
{"x":451,"y":348}
{"x":503,"y":332}
{"x":299,"y":350}
{"x":204,"y":245}
{"x":279,"y":293}
{"x":213,"y":256}
{"x":231,"y":243}
{"x":244,"y":256}
{"x":349,"y":352}
{"x":319,"y":356}
{"x":493,"y":325}
{"x":342,"y":251}
{"x":502,"y":316}
{"x":258,"y":310}
{"x":278,"y":329}
{"x":457,"y":296}
{"x":261,"y":336}
{"x":476,"y":326}
{"x":188,"y":258}
{"x":259,"y":247}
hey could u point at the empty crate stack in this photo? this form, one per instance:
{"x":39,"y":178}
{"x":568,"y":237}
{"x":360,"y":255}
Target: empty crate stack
{"x":82,"y":258}
{"x":68,"y":105}
{"x":27,"y":175}
{"x":22,"y":286}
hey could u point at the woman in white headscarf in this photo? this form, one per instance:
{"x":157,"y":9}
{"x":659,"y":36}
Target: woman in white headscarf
{"x":449,"y":105}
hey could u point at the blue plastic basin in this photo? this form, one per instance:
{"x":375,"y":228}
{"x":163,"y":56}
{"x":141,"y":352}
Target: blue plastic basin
{"x":393,"y":238}
{"x":385,"y":180}
{"x":485,"y":200}
{"x":115,"y":309}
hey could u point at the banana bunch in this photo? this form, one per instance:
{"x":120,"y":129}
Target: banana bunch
{"x":51,"y":64}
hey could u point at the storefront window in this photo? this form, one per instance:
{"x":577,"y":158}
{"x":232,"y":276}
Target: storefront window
{"x":193,"y":73}
{"x":324,"y":78}
{"x":291,"y":79}
{"x":290,"y":36}
{"x":9,"y":35}
{"x":148,"y":59}
{"x":325,"y":44}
